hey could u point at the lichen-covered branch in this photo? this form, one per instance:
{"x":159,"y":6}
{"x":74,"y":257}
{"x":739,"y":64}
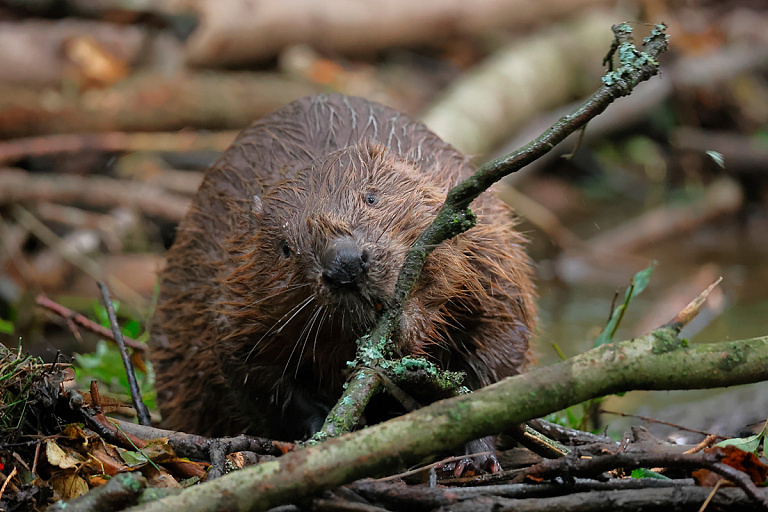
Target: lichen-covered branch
{"x":656,"y":361}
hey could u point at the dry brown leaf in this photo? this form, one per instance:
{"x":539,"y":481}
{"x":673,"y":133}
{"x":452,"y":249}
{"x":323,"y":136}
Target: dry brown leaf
{"x":58,"y":457}
{"x":69,"y":485}
{"x":745,"y":462}
{"x":105,"y":459}
{"x":159,"y":452}
{"x":159,"y":478}
{"x":95,"y":65}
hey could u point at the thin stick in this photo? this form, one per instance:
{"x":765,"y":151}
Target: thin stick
{"x":77,"y":319}
{"x":7,"y":481}
{"x":141,"y":410}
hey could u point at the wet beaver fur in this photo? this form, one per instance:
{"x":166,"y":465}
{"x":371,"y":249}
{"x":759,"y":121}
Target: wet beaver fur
{"x":290,"y":251}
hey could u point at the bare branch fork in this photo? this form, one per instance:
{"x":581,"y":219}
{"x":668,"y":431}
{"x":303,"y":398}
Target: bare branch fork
{"x":455,"y":217}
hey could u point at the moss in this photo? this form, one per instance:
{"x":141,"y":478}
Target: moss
{"x":446,"y":380}
{"x":733,"y":359}
{"x":666,"y":340}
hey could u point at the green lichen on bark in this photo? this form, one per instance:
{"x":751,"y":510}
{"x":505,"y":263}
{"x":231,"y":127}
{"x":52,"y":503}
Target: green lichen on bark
{"x":734,"y":359}
{"x":446,"y":381}
{"x":666,"y":340}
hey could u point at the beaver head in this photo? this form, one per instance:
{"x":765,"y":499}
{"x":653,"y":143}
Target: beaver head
{"x":325,"y":250}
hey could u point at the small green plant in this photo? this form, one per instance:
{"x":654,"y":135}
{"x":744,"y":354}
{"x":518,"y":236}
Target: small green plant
{"x":748,"y":444}
{"x":590,"y":408}
{"x":6,"y":326}
{"x":18,"y":373}
{"x":106,"y":366}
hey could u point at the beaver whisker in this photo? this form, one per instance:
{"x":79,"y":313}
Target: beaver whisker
{"x":297,"y":308}
{"x":286,"y":289}
{"x":304,"y":335}
{"x":326,"y":316}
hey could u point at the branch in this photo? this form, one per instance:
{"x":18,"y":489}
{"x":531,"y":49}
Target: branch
{"x":455,"y":217}
{"x":656,"y":361}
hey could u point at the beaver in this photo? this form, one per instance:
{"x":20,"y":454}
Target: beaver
{"x":290,"y":252}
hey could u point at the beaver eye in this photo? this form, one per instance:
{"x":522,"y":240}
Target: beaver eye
{"x":286,"y":249}
{"x":371,"y":198}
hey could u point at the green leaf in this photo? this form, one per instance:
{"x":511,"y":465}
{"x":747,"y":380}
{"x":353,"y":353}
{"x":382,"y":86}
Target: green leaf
{"x":134,"y":458}
{"x":747,"y":444}
{"x":647,"y":473}
{"x":641,"y":279}
{"x":638,"y":283}
{"x":132,"y":329}
{"x":6,"y":326}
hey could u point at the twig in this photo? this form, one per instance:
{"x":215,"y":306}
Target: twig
{"x":569,"y":468}
{"x":198,"y":447}
{"x":87,"y":324}
{"x":455,"y":217}
{"x":343,"y":417}
{"x":692,"y":309}
{"x":107,"y":429}
{"x":659,"y":422}
{"x":79,"y":260}
{"x":122,"y":490}
{"x":141,"y":409}
{"x":7,"y":481}
{"x":711,"y":495}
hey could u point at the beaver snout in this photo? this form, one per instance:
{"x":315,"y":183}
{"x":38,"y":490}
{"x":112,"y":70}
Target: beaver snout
{"x":344,"y":263}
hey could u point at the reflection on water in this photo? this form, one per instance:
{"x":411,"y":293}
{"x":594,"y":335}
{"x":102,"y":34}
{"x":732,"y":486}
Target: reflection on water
{"x":572,"y":315}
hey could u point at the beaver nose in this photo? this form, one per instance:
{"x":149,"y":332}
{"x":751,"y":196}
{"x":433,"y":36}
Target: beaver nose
{"x":344,"y":262}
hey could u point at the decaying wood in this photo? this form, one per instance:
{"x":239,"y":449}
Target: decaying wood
{"x":17,"y":186}
{"x":722,"y":197}
{"x":14,"y":149}
{"x":486,"y":104}
{"x":149,"y":102}
{"x":34,"y":51}
{"x":67,"y":249}
{"x":236,"y":32}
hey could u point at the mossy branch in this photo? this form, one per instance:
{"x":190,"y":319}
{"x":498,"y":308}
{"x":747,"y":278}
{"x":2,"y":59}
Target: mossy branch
{"x":455,"y":217}
{"x":656,"y":361}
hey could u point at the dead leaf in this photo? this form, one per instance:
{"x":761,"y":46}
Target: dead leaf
{"x":96,"y":66}
{"x":105,"y":459}
{"x":69,"y":485}
{"x":58,"y":457}
{"x":706,"y":478}
{"x":745,"y":462}
{"x":159,"y":452}
{"x":159,"y":477}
